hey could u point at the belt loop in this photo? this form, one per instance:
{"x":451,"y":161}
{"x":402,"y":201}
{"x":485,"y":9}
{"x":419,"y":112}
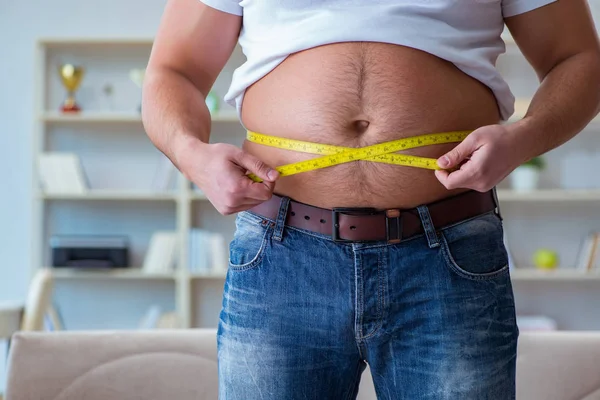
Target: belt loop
{"x":497,"y":203}
{"x":432,"y":237}
{"x":281,"y":217}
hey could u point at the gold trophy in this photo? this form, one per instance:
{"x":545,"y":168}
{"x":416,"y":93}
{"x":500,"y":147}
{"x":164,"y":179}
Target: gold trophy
{"x":71,"y":76}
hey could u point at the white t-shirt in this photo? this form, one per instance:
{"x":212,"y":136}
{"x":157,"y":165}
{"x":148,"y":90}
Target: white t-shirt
{"x":464,"y":32}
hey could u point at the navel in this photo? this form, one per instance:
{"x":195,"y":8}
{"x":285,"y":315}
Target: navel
{"x":361,"y":126}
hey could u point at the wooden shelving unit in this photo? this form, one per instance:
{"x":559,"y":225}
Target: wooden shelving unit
{"x":130,"y":273}
{"x":111,"y":195}
{"x":180,"y":209}
{"x":208,"y":275}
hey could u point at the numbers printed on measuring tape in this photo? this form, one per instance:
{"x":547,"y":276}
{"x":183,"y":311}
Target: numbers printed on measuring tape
{"x":335,"y":155}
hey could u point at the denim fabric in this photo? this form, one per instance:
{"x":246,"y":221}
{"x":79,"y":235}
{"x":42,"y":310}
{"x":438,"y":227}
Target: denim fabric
{"x":433,"y":316}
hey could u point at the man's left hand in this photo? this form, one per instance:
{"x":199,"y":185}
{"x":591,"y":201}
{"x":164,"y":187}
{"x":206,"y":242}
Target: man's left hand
{"x":481,"y":160}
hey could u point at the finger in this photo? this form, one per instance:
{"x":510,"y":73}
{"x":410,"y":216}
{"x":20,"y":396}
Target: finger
{"x":234,"y":205}
{"x":261,"y":191}
{"x":256,"y":166}
{"x":257,"y":192}
{"x":442,"y":175}
{"x":463,"y":178}
{"x":458,"y":154}
{"x":246,"y":205}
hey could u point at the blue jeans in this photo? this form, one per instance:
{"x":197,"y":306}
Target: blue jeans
{"x":433,"y":316}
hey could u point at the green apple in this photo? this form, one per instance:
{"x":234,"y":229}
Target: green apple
{"x":545,"y":259}
{"x":212,"y":102}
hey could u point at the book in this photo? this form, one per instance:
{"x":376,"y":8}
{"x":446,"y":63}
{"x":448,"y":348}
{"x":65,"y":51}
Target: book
{"x":169,"y":320}
{"x":62,"y":173}
{"x":150,"y":318}
{"x":199,"y":250}
{"x":208,"y":251}
{"x":594,"y":254}
{"x":219,"y":255}
{"x":155,"y":318}
{"x":52,"y":319}
{"x":162,"y":253}
{"x":588,"y":253}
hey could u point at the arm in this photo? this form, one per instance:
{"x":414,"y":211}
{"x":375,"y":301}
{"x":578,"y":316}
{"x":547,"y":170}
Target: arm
{"x":193,"y":44}
{"x":561,"y":44}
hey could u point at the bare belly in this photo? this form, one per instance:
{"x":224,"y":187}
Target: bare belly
{"x":355,"y":95}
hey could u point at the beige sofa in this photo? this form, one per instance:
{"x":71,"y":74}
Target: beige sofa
{"x":181,"y":365}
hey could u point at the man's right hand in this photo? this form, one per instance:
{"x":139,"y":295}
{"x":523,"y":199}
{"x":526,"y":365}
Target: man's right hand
{"x":220,"y":171}
{"x":191,"y":47}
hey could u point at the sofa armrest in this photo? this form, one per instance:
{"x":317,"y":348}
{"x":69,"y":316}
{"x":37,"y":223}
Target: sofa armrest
{"x":161,"y":365}
{"x":559,"y":366}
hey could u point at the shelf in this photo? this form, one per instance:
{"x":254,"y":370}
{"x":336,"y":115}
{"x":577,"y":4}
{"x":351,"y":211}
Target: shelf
{"x":66,"y":42}
{"x":522,"y":274}
{"x":208,"y":275}
{"x":133,"y":273}
{"x":116,"y":117}
{"x":507,"y":195}
{"x":556,"y":195}
{"x":565,"y":274}
{"x":92,"y":117}
{"x":124,"y":273}
{"x":117,"y":41}
{"x":522,"y":105}
{"x":226,"y":116}
{"x":111,"y":195}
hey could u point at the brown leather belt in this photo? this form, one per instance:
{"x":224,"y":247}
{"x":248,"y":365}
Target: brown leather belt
{"x":369,"y":224}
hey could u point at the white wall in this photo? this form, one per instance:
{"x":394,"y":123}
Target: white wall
{"x":21,"y":23}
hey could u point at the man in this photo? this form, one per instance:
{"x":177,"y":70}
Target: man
{"x":413,"y":278}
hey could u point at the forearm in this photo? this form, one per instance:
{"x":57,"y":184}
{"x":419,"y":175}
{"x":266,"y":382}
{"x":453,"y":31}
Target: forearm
{"x":566,"y":101}
{"x":175,"y":114}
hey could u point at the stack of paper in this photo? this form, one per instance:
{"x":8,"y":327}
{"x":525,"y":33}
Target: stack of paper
{"x":61,"y":173}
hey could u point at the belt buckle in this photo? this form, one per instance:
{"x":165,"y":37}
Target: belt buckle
{"x":335,"y":218}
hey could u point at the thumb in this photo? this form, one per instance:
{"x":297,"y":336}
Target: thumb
{"x":257,"y":167}
{"x":458,"y":154}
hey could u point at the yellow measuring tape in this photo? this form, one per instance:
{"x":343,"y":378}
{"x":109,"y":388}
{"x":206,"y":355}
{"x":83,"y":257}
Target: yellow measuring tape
{"x":335,"y":155}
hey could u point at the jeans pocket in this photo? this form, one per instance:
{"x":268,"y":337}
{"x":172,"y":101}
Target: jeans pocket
{"x":251,"y":237}
{"x":475,"y":249}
